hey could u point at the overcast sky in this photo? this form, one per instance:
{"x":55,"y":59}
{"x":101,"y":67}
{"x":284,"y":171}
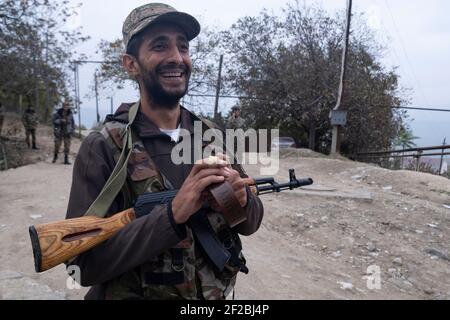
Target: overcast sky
{"x":417,"y":34}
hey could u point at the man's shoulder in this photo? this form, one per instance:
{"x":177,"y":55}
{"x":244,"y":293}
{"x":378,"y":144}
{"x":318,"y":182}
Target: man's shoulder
{"x":121,"y":114}
{"x":95,"y":150}
{"x":209,"y":123}
{"x":95,"y":142}
{"x":93,"y":138}
{"x":189,"y":117}
{"x":110,"y":133}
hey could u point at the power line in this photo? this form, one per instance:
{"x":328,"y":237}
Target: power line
{"x":265,"y":99}
{"x":424,"y":109}
{"x":406,"y":53}
{"x":228,"y":97}
{"x":396,"y":56}
{"x":94,"y":61}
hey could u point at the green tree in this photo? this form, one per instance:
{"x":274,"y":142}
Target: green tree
{"x":292,"y":62}
{"x":405,"y":139}
{"x":36,"y":47}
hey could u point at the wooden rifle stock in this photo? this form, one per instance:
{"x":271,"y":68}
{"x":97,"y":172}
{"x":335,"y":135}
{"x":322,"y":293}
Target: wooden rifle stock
{"x":57,"y":242}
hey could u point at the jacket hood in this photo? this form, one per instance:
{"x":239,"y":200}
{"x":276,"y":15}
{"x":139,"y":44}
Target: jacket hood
{"x":121,"y":114}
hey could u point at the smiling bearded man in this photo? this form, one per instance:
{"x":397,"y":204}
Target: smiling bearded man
{"x":166,"y":82}
{"x":157,"y":256}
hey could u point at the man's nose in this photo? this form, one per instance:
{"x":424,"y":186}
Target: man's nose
{"x":175,"y":55}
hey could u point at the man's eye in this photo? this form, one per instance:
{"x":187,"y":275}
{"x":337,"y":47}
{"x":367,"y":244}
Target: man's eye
{"x":159,"y":46}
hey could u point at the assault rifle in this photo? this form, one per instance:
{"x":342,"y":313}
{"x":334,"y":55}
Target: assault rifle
{"x":57,"y":242}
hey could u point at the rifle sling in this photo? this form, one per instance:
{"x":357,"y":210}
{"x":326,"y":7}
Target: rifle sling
{"x":117,"y":178}
{"x":208,"y":240}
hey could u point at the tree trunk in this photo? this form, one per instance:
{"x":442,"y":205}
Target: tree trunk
{"x":312,"y":135}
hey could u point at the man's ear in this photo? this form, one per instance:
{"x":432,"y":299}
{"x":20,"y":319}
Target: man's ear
{"x":131,"y":65}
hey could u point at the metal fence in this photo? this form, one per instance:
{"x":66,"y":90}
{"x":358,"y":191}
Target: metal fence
{"x":394,"y":158}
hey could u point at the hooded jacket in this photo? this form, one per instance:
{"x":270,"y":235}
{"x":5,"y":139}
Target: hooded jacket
{"x":150,"y":235}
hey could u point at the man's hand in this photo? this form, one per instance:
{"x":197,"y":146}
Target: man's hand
{"x":238,"y":185}
{"x":190,"y":197}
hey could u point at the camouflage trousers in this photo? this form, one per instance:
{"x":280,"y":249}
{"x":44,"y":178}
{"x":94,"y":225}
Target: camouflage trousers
{"x":30,"y":137}
{"x":58,"y":142}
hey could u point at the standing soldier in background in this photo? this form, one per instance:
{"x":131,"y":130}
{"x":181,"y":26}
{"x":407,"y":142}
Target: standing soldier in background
{"x":1,"y":118}
{"x":235,"y":121}
{"x":64,"y":127}
{"x":30,"y":122}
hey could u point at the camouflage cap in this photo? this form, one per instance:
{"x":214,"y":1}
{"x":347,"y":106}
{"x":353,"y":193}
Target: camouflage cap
{"x":152,"y":13}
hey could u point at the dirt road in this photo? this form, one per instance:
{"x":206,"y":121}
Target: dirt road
{"x":313,"y":244}
{"x":30,"y":195}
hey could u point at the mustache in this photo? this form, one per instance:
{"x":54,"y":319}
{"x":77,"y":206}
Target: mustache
{"x":172,"y":67}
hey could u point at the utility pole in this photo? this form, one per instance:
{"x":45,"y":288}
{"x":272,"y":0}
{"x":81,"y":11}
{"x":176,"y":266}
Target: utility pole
{"x":442,"y":156}
{"x":77,"y":88}
{"x":338,"y":117}
{"x":47,"y":96}
{"x":219,"y":83}
{"x":20,"y":104}
{"x":96,"y":97}
{"x":112,"y":105}
{"x":77,"y":96}
{"x":36,"y":79}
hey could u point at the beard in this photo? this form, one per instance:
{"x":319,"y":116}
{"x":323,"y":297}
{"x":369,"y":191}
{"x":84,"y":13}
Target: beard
{"x":166,"y":98}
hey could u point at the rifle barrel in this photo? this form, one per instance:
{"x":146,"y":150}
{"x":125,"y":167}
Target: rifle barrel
{"x":276,"y":187}
{"x":264,"y":180}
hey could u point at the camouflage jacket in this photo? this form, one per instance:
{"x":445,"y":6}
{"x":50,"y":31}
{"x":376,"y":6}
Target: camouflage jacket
{"x":235,"y":123}
{"x":30,"y":120}
{"x":61,"y":128}
{"x":151,"y":258}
